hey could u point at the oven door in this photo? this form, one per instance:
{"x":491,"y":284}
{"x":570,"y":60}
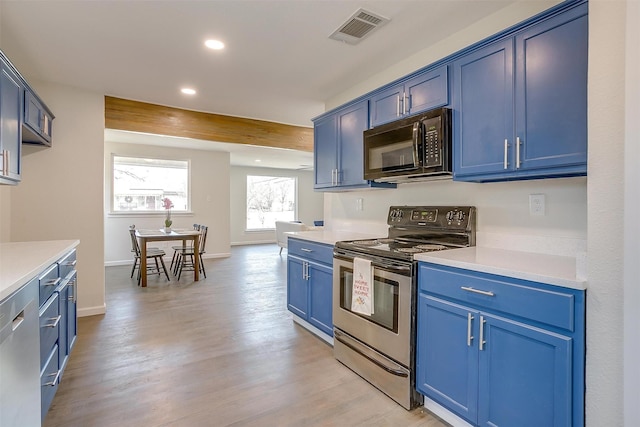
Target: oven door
{"x":388,"y":329}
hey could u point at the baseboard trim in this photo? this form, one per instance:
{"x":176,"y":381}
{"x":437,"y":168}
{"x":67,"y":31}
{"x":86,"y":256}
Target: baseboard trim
{"x":92,"y":311}
{"x":443,"y":413}
{"x":253,"y":242}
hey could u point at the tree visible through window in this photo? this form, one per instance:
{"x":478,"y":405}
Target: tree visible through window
{"x":140,"y":184}
{"x":270,"y":199}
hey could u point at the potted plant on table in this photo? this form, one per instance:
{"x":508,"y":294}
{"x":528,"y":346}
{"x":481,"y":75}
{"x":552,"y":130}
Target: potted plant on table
{"x":167,"y":204}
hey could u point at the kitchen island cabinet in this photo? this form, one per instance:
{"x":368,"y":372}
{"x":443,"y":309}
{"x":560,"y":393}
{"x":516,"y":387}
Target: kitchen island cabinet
{"x":48,"y":267}
{"x":535,"y":80}
{"x":499,"y":350}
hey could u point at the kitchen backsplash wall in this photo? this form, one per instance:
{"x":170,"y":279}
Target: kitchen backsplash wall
{"x":503,"y":211}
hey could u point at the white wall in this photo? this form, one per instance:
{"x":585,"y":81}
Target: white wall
{"x":631,"y":337}
{"x":60,"y":196}
{"x":209,"y":201}
{"x":310,"y":203}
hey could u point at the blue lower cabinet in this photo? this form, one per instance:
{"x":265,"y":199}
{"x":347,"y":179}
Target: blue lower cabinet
{"x":497,"y":364}
{"x":310,"y":283}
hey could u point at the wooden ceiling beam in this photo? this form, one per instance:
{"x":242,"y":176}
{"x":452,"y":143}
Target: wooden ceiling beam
{"x":124,"y":114}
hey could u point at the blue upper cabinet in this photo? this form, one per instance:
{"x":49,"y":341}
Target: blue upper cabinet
{"x":520,"y":104}
{"x":37,"y":120}
{"x":338,"y":149}
{"x":11,"y":97}
{"x":424,"y":91}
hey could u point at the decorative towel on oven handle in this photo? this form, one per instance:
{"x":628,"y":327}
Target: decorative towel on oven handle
{"x":362,"y":289}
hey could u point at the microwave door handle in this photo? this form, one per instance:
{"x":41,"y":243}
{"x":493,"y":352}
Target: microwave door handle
{"x":417,"y":143}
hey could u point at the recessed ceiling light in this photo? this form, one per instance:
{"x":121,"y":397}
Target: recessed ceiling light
{"x":214,"y":44}
{"x":258,"y":160}
{"x":188,"y":91}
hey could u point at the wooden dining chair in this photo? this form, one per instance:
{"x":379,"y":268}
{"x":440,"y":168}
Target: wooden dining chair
{"x":186,"y":255}
{"x":177,"y":249}
{"x":152,"y":253}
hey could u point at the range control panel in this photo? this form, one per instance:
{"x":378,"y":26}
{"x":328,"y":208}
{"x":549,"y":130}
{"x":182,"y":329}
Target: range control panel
{"x":437,"y":217}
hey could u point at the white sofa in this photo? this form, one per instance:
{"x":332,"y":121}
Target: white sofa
{"x":285,"y":226}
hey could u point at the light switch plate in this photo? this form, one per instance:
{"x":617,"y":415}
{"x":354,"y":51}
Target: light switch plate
{"x":537,"y":204}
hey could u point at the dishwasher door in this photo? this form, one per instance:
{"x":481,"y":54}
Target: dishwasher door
{"x":19,"y":358}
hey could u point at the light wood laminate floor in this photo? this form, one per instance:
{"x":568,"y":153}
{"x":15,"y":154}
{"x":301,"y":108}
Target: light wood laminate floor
{"x":219,"y":352}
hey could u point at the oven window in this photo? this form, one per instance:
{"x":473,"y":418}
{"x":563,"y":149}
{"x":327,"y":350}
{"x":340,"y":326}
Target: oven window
{"x":385,"y":299}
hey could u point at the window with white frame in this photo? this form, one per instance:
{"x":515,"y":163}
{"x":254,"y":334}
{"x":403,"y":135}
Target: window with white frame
{"x":140,"y":184}
{"x":270,"y":199}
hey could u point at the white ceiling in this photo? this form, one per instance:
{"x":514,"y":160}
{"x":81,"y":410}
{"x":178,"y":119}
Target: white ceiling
{"x":278,"y":65}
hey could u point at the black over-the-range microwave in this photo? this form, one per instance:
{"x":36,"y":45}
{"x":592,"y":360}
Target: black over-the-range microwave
{"x":416,"y":148}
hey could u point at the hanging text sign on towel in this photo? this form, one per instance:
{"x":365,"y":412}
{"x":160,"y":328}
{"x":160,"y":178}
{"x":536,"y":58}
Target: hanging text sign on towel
{"x":362,"y":292}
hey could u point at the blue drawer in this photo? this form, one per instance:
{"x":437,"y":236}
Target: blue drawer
{"x":311,"y":251}
{"x":49,"y":327}
{"x":529,"y":300}
{"x":48,"y":282}
{"x":67,"y":264}
{"x":49,"y":380}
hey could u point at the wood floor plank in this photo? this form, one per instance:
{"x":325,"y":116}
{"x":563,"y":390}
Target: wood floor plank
{"x":219,"y":352}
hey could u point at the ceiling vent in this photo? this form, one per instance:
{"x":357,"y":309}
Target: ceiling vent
{"x":360,"y":24}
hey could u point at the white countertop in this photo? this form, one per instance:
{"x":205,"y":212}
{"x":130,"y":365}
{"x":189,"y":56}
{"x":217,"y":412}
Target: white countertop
{"x":329,"y":237}
{"x":22,"y":261}
{"x":549,"y":269}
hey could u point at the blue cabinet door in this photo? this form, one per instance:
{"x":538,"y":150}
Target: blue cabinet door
{"x":297,"y":287}
{"x":386,"y":105}
{"x":447,"y":359}
{"x":11,"y":99}
{"x":525,"y":376}
{"x":551,"y":92}
{"x":352,"y":122}
{"x":427,"y":91}
{"x":483,"y":110}
{"x":321,"y":297}
{"x":325,"y":150}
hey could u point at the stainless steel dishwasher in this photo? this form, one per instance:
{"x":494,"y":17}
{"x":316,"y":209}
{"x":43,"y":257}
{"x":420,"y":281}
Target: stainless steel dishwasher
{"x":19,"y":358}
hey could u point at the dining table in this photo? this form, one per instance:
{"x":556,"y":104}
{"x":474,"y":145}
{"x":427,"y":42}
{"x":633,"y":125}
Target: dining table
{"x":145,"y":236}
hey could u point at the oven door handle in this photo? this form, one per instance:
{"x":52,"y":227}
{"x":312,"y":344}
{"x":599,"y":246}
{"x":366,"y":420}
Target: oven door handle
{"x":396,"y":372}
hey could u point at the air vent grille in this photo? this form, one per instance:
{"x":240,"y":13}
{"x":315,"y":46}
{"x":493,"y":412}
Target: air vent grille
{"x":359,"y":25}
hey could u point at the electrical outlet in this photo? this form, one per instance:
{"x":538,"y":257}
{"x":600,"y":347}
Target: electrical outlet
{"x":359,"y":203}
{"x":536,"y":204}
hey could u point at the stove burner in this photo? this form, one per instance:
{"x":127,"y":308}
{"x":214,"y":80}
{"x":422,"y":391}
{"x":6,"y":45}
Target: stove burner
{"x":372,"y":242}
{"x":409,"y":250}
{"x":431,"y":247}
{"x":386,"y":241}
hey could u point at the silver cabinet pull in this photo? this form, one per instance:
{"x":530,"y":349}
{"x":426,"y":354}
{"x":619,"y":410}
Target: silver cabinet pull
{"x":71,"y":263}
{"x":56,"y":320}
{"x":398,"y":106}
{"x":518,"y":152}
{"x":469,"y":321}
{"x":306,"y":250}
{"x":55,"y":376}
{"x":5,"y":159}
{"x":482,"y":341}
{"x":477,"y":291}
{"x":52,"y":282}
{"x":405,"y":103}
{"x":506,"y":150}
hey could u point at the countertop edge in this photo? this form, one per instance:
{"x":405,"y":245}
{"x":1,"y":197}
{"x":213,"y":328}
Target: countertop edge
{"x":329,"y":237}
{"x":525,"y":265}
{"x":52,"y":251}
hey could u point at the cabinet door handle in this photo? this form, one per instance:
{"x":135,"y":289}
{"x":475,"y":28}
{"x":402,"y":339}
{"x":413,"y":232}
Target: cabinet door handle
{"x":477,"y":291}
{"x":518,"y":152}
{"x":405,"y":103}
{"x":305,"y":250}
{"x":71,"y":263}
{"x":482,"y":341}
{"x":398,"y":106}
{"x":52,"y":282}
{"x":55,"y":376}
{"x":469,"y":336}
{"x":56,"y":320}
{"x":506,"y":150}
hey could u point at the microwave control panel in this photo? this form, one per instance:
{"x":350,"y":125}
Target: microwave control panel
{"x":432,"y":142}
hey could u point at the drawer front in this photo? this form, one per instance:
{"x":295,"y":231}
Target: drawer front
{"x":67,"y":264}
{"x":311,"y":250}
{"x":521,"y":298}
{"x":48,"y":281}
{"x":49,"y":380}
{"x":49,"y":327}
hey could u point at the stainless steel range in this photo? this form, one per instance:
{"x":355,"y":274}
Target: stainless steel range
{"x":379,"y":344}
